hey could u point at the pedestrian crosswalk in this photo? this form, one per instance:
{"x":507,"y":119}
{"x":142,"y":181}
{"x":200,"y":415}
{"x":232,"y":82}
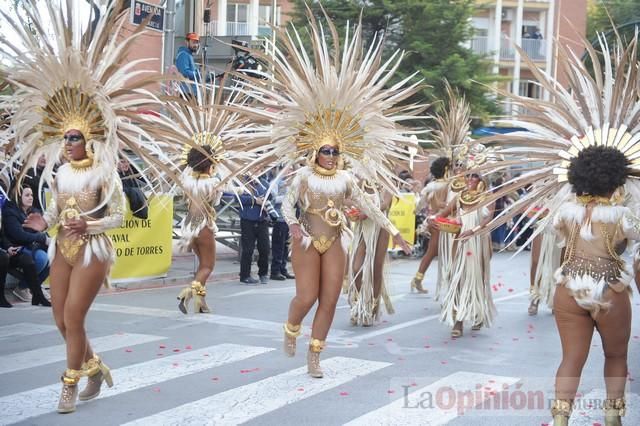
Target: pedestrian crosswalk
{"x":246,"y":398}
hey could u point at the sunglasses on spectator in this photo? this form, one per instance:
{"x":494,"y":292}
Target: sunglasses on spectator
{"x":329,"y":151}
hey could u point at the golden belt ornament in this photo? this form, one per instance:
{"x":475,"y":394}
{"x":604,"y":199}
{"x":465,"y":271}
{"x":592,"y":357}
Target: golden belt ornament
{"x":71,"y":246}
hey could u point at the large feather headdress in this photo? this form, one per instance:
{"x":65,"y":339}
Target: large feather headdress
{"x":597,"y":108}
{"x":339,"y":95}
{"x":69,"y":71}
{"x":451,"y":134}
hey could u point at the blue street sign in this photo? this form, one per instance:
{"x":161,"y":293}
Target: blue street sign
{"x":140,"y":10}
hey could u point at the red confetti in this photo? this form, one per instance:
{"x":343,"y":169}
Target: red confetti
{"x":427,"y":346}
{"x":215,"y":379}
{"x":636,"y":337}
{"x":389,"y":339}
{"x":300,"y":389}
{"x":344,"y":393}
{"x":384,"y":321}
{"x":492,"y":381}
{"x":176,"y":350}
{"x":128,"y":350}
{"x":162,"y":347}
{"x":400,"y":359}
{"x":175,"y":364}
{"x":206,"y":355}
{"x":156,"y":389}
{"x":391,"y":391}
{"x":597,"y":424}
{"x":469,"y":253}
{"x":510,"y":290}
{"x":188,"y":347}
{"x":160,"y":354}
{"x":531,"y":337}
{"x":443,"y":362}
{"x":515,"y":339}
{"x":371,"y":343}
{"x":414,"y":384}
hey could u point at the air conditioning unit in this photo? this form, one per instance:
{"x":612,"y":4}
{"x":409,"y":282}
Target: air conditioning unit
{"x":508,"y":15}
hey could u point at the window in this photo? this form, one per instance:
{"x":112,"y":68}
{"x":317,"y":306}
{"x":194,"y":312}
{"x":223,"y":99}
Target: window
{"x":237,"y":12}
{"x":265,"y":15}
{"x":530,"y":89}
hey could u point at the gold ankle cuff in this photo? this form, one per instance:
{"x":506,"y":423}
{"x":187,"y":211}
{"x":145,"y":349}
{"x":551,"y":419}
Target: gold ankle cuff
{"x":615,"y":407}
{"x":92,"y":366}
{"x":561,"y":407}
{"x":198,"y":288}
{"x":292,"y":330}
{"x":316,"y":345}
{"x":419,"y":276}
{"x":71,"y":377}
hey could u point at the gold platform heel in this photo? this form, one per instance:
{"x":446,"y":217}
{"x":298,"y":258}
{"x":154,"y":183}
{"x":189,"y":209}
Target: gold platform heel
{"x":561,"y":411}
{"x":291,"y":332}
{"x":313,"y":358}
{"x":96,"y":372}
{"x":185,"y":297}
{"x":416,"y":283}
{"x":614,"y":409}
{"x":69,"y":394}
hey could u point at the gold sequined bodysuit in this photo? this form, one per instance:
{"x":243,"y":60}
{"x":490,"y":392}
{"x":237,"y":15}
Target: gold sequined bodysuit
{"x":321,"y":199}
{"x":81,"y":193}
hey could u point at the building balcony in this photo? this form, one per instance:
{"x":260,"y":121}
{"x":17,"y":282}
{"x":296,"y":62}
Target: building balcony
{"x":236,"y":29}
{"x":536,"y":49}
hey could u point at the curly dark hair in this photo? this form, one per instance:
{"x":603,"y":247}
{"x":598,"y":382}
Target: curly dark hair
{"x":598,"y":170}
{"x":198,"y":160}
{"x":439,"y":167}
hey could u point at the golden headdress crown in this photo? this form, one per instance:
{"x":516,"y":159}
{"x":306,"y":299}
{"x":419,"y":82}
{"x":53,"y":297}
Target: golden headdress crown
{"x":205,"y":139}
{"x":333,"y":127}
{"x":70,"y":108}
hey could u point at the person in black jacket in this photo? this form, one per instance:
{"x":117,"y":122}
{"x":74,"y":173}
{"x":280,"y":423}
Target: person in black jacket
{"x":33,"y":243}
{"x":12,"y":256}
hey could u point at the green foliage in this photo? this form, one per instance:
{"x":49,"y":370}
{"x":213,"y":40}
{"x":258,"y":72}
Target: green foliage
{"x":431,"y":32}
{"x":603,"y":12}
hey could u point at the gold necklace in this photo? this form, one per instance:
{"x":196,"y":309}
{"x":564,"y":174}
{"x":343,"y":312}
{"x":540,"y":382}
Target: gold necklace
{"x":324,"y":173}
{"x":458,"y":184}
{"x":198,"y":175}
{"x":470,"y":197}
{"x":85,"y":163}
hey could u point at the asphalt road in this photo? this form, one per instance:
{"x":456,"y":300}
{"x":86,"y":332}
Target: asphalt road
{"x":228,"y":368}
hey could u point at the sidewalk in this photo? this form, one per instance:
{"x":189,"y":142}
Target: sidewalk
{"x":183,"y":266}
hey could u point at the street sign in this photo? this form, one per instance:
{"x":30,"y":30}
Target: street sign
{"x":140,"y":10}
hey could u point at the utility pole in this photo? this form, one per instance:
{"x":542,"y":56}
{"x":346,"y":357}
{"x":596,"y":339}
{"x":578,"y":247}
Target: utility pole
{"x":169,"y":35}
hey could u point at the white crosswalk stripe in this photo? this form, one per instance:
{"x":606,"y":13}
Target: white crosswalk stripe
{"x":23,"y":329}
{"x":247,"y":402}
{"x":423,"y":407}
{"x":24,"y":405}
{"x":42,"y":356}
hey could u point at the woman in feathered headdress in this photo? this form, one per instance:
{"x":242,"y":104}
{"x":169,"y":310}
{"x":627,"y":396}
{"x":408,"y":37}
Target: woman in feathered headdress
{"x":213,"y":149}
{"x":73,"y":98}
{"x":452,"y":132}
{"x":330,"y":107}
{"x":468,"y":294}
{"x":586,"y":143}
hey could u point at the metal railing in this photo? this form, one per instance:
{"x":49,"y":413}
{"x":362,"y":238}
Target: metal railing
{"x":535,"y":48}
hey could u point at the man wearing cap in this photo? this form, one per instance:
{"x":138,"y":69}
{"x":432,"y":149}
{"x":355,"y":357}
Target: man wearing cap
{"x":186,"y":64}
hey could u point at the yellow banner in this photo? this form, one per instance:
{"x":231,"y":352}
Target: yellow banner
{"x":143,"y":246}
{"x":403,"y":216}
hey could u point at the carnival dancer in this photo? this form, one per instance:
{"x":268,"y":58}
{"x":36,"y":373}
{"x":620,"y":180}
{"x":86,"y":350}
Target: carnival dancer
{"x":367,"y":261}
{"x":585,"y":146}
{"x":326,"y":108}
{"x":468,"y":296}
{"x":213,"y":145}
{"x":73,"y":97}
{"x":451,"y":132}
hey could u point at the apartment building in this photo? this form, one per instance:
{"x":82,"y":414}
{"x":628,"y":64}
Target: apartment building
{"x":534,"y":25}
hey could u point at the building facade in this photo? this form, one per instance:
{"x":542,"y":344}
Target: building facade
{"x":534,"y":25}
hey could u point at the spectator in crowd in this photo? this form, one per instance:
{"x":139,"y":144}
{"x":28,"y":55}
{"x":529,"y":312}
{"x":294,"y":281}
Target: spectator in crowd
{"x":254,"y":227}
{"x":132,"y":184}
{"x":187,"y":65}
{"x":14,"y":257}
{"x":499,"y":235}
{"x":32,"y":179}
{"x":279,"y":237}
{"x":33,"y":244}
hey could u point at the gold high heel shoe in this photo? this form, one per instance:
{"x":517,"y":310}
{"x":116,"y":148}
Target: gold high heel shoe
{"x":96,"y":372}
{"x":613,"y":410}
{"x":199,"y":293}
{"x":184,"y":297}
{"x":69,"y":394}
{"x":313,"y":358}
{"x":291,"y":332}
{"x":561,"y":411}
{"x":416,"y":283}
{"x":533,"y":308}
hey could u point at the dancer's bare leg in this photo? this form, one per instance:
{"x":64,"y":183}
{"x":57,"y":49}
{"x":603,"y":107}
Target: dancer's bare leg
{"x":534,"y":288}
{"x":306,"y":267}
{"x":332,"y":263}
{"x":204,"y":248}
